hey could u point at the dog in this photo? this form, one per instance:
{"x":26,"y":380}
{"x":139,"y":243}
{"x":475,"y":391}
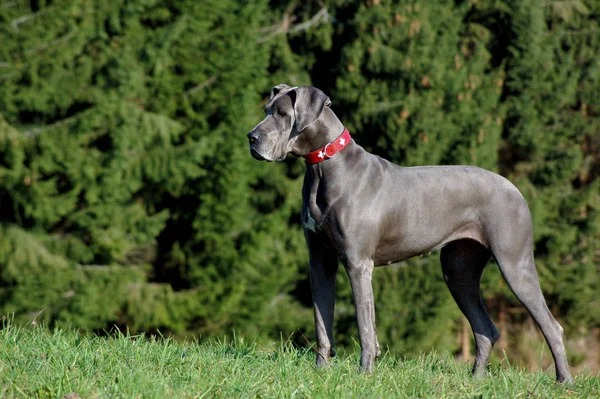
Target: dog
{"x":365,"y":211}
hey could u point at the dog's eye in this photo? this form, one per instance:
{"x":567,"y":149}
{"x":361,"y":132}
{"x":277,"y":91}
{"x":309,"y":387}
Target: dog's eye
{"x":281,"y":112}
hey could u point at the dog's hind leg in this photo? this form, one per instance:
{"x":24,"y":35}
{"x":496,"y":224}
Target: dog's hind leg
{"x":512,"y":245}
{"x":521,"y":276}
{"x":463,"y":262}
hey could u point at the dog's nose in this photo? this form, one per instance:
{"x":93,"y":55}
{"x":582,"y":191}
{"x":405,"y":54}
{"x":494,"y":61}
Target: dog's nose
{"x":253,"y":137}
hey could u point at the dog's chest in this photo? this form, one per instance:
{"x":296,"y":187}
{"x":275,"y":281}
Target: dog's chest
{"x":314,"y":205}
{"x":308,"y":221}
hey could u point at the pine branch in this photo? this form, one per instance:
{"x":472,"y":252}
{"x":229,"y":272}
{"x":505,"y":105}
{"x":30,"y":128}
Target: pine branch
{"x":103,"y":268}
{"x":577,"y":32}
{"x":560,"y":2}
{"x":15,"y":23}
{"x":284,"y":27}
{"x":37,"y":130}
{"x":384,"y":106}
{"x":202,"y":85}
{"x":321,"y":16}
{"x":9,"y":5}
{"x":93,"y":267}
{"x":53,"y":43}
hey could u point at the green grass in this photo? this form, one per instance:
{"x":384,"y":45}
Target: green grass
{"x":36,"y":362}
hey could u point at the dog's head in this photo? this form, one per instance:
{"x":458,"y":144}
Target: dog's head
{"x":290,"y":111}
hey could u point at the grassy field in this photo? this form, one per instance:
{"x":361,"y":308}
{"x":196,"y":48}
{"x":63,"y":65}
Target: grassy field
{"x":36,"y":362}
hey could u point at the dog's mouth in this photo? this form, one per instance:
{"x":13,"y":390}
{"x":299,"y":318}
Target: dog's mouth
{"x":257,"y":156}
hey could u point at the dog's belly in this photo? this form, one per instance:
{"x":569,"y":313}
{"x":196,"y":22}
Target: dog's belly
{"x":430,"y":207}
{"x":406,"y":246}
{"x":411,"y":229}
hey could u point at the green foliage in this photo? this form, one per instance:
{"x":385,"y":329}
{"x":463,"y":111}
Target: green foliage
{"x":120,"y":155}
{"x":418,"y":86}
{"x":38,"y":285}
{"x":128,"y":198}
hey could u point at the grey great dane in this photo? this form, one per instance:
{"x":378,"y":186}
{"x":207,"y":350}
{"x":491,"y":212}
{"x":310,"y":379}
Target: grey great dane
{"x":365,"y":211}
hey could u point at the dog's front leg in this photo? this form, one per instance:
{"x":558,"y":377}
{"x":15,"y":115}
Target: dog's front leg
{"x":360,"y":273}
{"x":323,"y":269}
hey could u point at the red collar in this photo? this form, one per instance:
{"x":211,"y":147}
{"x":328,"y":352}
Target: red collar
{"x":329,"y":150}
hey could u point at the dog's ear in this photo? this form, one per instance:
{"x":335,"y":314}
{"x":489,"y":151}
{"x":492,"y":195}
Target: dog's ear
{"x":276,"y":89}
{"x":308,"y":105}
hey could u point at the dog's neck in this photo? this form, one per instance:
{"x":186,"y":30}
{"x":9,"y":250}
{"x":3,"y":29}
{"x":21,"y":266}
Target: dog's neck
{"x":330,"y":127}
{"x":325,"y":129}
{"x":317,"y":201}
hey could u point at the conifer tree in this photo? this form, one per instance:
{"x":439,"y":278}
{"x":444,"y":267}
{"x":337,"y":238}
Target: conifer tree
{"x":128,"y":197}
{"x":124,"y":156}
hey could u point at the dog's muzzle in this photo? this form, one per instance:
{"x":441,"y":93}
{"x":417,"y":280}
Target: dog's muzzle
{"x":253,"y":137}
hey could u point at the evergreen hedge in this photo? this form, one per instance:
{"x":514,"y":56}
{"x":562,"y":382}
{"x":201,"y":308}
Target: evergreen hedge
{"x":128,"y":197}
